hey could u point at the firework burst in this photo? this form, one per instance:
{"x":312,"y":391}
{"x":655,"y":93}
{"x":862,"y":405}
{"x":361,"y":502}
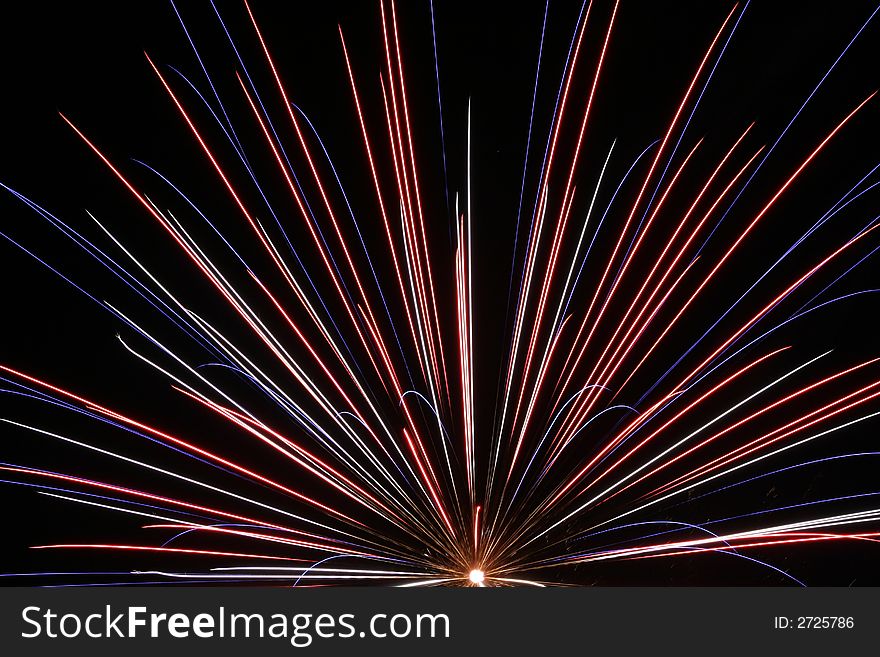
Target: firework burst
{"x":330,"y":345}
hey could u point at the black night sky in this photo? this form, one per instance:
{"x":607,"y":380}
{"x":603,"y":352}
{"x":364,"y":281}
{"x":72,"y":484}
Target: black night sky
{"x":86,"y":60}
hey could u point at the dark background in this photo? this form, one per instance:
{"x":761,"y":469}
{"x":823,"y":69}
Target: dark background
{"x":87,"y":61}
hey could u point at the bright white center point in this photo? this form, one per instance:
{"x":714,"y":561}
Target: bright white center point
{"x":477,"y":576}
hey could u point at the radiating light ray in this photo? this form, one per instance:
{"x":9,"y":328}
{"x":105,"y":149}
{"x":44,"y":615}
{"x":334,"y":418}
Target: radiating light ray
{"x":338,"y":356}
